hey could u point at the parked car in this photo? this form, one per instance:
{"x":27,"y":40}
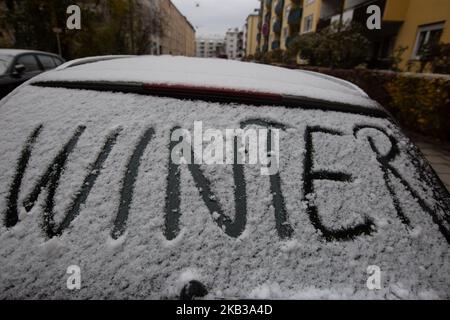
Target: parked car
{"x":17,"y":66}
{"x":106,"y":176}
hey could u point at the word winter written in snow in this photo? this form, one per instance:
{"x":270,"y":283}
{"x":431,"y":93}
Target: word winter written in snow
{"x":256,"y":147}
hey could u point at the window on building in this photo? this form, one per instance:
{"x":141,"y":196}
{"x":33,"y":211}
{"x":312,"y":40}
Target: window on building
{"x":308,"y":24}
{"x":427,"y":35}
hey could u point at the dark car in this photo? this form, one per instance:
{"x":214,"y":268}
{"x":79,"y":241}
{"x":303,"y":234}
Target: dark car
{"x":92,"y":187}
{"x":17,"y":66}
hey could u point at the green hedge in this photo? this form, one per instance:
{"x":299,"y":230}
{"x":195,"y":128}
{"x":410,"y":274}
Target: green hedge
{"x":420,"y":102}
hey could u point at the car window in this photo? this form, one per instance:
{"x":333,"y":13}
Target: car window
{"x":5,"y":61}
{"x":29,"y":61}
{"x":57,"y":61}
{"x":91,"y":179}
{"x":47,"y":62}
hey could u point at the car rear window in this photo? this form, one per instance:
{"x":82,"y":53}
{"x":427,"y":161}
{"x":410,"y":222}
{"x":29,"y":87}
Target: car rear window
{"x":87,"y":179}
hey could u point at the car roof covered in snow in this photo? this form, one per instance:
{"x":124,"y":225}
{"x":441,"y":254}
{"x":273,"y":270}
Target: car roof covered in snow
{"x":214,"y":73}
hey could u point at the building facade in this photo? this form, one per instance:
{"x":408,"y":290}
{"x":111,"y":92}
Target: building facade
{"x":234,"y":44}
{"x":179,"y":34}
{"x":407,"y":24}
{"x":210,"y":47}
{"x":251,"y":34}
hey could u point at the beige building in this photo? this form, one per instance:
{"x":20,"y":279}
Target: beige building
{"x":178,"y":34}
{"x":251,"y":33}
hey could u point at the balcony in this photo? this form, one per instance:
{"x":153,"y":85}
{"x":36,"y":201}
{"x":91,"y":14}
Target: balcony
{"x":275,"y":45}
{"x":277,"y":27}
{"x":295,"y":16}
{"x":265,"y":29}
{"x":279,"y":8}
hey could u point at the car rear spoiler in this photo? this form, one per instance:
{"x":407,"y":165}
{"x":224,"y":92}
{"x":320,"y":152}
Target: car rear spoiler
{"x":220,"y":95}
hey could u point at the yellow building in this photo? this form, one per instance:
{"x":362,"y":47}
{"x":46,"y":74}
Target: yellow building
{"x":179,"y":34}
{"x":422,"y":21}
{"x":265,"y":18}
{"x":406,"y":24}
{"x":251,"y":34}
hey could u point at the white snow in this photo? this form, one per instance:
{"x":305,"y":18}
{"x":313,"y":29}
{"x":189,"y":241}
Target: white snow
{"x":216,"y":73}
{"x":415,"y":262}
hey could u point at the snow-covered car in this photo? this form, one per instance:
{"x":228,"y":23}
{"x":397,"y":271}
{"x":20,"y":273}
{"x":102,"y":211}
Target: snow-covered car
{"x":94,"y":205}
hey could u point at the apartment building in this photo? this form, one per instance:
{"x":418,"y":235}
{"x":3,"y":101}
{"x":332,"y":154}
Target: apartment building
{"x":409,"y":24}
{"x":210,"y":47}
{"x":251,"y":33}
{"x":234,"y":44}
{"x":279,"y":23}
{"x":179,"y":34}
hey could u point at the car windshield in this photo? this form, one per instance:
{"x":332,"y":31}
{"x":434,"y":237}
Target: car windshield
{"x":5,"y":61}
{"x":96,"y":179}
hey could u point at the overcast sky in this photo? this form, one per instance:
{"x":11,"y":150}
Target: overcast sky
{"x":214,"y":17}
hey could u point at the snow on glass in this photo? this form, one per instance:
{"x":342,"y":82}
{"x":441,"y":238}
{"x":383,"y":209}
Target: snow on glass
{"x":87,"y":179}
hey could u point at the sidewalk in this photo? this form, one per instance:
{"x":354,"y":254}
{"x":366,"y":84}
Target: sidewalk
{"x":438,"y":155}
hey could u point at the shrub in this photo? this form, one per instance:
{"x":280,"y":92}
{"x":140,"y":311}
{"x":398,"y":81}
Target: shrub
{"x":420,"y":103}
{"x":275,"y":56}
{"x":337,"y":46}
{"x":423,"y":104}
{"x":441,"y":61}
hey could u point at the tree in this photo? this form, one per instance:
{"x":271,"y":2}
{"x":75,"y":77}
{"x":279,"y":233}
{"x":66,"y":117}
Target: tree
{"x":107,"y":26}
{"x":337,"y":46}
